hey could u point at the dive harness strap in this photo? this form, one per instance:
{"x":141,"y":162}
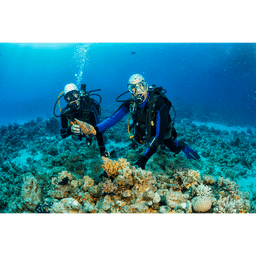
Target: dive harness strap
{"x":154,"y":95}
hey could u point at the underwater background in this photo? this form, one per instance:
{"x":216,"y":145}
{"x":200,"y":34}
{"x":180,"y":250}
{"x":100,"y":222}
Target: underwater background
{"x":211,"y":85}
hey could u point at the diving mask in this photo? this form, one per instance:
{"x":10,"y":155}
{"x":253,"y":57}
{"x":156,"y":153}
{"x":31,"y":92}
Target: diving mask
{"x":73,"y":100}
{"x":71,"y":96}
{"x":141,"y":86}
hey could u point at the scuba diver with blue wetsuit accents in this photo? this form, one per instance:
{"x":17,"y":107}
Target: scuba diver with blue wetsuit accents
{"x":152,"y":123}
{"x":81,"y":106}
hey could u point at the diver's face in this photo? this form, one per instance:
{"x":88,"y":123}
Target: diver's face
{"x":75,"y":104}
{"x":73,"y":99}
{"x":139,"y":90}
{"x":138,"y":87}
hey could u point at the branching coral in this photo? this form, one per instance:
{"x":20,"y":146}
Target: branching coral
{"x":231,"y":205}
{"x":112,"y":167}
{"x":228,"y":186}
{"x":185,"y":179}
{"x":203,"y":190}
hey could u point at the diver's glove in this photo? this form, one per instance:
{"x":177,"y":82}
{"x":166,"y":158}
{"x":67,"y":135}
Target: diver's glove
{"x":141,"y":162}
{"x":189,"y":152}
{"x":75,"y":129}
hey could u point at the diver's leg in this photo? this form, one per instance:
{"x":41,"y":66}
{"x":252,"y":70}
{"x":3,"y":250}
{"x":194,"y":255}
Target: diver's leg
{"x":176,"y":146}
{"x":173,"y":145}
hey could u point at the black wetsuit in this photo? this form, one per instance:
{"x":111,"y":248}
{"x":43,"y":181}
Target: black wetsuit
{"x":159,"y":130}
{"x":91,"y":117}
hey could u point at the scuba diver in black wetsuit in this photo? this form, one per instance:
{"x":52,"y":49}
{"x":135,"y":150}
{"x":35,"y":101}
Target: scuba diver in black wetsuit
{"x":82,"y":106}
{"x":152,"y":122}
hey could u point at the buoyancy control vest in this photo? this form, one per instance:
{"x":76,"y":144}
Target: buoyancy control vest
{"x":144,"y":119}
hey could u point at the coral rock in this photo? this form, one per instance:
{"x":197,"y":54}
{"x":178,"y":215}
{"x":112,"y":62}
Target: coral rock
{"x":66,"y":205}
{"x":109,"y":187}
{"x":96,"y":191}
{"x":148,"y":195}
{"x":156,"y":198}
{"x":201,"y":203}
{"x":173,"y":199}
{"x":105,"y":203}
{"x":88,"y":182}
{"x":126,"y":193}
{"x":189,"y":207}
{"x":124,"y":179}
{"x":208,"y":179}
{"x":31,"y":193}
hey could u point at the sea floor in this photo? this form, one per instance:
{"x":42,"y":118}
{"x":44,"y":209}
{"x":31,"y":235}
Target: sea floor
{"x":36,"y":150}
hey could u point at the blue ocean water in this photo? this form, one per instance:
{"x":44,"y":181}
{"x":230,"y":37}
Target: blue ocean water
{"x":210,"y":78}
{"x":212,"y":87}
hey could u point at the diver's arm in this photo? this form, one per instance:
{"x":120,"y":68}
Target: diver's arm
{"x":99,"y":135}
{"x":100,"y":140}
{"x":162,"y":115}
{"x":112,"y":120}
{"x":65,"y":130}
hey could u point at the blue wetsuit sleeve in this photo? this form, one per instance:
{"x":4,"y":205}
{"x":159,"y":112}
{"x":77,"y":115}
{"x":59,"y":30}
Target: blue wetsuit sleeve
{"x":112,"y":120}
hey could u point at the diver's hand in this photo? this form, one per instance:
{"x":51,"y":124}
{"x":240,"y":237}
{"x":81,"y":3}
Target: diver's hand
{"x":75,"y":129}
{"x":141,"y":162}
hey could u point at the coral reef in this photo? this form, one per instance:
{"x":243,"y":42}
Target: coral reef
{"x":42,"y":173}
{"x":140,"y":191}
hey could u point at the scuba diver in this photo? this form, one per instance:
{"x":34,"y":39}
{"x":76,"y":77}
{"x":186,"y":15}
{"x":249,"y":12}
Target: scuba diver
{"x":152,"y":123}
{"x":81,"y":106}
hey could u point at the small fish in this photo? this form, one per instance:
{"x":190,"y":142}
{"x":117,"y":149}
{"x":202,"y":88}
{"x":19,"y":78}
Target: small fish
{"x":133,"y":52}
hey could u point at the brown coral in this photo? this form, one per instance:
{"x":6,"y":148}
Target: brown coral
{"x":85,"y":128}
{"x":112,"y":167}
